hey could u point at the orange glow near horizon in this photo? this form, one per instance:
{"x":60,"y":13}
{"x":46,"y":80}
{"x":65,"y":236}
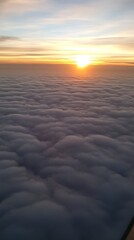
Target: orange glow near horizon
{"x":81,"y":61}
{"x":66,"y":32}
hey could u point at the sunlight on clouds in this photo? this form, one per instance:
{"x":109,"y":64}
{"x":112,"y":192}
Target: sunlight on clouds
{"x":21,"y":6}
{"x":62,"y":50}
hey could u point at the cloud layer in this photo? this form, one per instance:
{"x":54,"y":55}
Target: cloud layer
{"x":66,"y":156}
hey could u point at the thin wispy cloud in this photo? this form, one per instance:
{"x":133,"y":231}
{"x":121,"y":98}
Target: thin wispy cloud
{"x":45,"y":22}
{"x":8,"y":38}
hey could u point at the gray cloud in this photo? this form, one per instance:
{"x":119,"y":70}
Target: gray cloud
{"x":12,"y":51}
{"x":8,"y":38}
{"x":3,"y":2}
{"x":121,"y":41}
{"x":66,"y":154}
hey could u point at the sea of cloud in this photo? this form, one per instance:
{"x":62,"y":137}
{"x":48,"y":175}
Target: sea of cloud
{"x":66,"y":156}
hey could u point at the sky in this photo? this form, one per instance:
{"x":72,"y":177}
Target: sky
{"x":56,"y":31}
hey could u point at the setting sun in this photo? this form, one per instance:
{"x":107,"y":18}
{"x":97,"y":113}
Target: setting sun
{"x":82,"y":61}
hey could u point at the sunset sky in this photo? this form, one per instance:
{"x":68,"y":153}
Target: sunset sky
{"x":58,"y":31}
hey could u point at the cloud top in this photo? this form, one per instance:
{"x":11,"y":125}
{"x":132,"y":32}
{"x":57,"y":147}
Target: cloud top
{"x":66,"y":156}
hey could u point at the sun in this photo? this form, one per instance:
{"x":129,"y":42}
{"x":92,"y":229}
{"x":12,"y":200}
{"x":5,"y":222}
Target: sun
{"x":83,"y":60}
